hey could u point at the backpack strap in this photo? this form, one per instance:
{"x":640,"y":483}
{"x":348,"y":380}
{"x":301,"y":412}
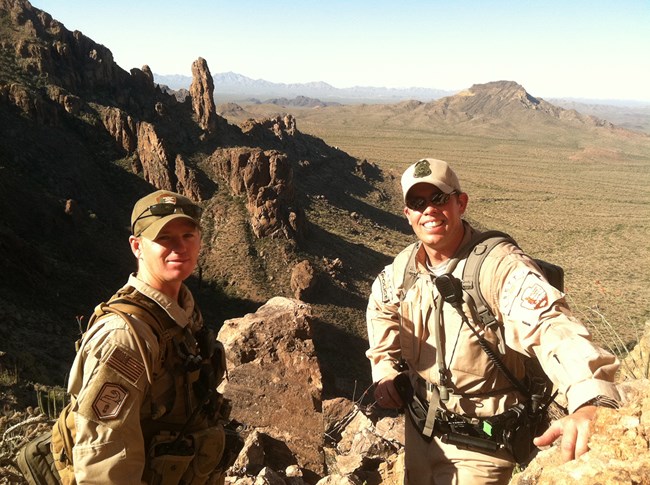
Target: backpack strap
{"x":474,"y":245}
{"x":410,"y":272}
{"x":478,"y":249}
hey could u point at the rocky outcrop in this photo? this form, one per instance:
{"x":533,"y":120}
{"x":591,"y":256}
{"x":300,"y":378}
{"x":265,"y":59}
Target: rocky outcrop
{"x":304,"y":280}
{"x":32,"y":105}
{"x":68,"y":59}
{"x":288,"y":434}
{"x":121,"y":127}
{"x":71,"y":104}
{"x":159,"y":171}
{"x":187,"y":180}
{"x":153,"y":157}
{"x":274,"y":378}
{"x":618,"y":448}
{"x":202,"y":94}
{"x":280,"y":127}
{"x":265,"y":178}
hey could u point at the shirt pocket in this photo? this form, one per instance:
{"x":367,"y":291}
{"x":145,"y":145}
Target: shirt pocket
{"x":104,"y":463}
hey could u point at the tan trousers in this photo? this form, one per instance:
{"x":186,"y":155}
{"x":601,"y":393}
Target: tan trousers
{"x":437,"y":463}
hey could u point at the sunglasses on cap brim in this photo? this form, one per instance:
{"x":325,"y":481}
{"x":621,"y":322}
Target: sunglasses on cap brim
{"x":166,"y":209}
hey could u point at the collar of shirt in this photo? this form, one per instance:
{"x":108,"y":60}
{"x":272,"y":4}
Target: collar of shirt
{"x":180,"y":313}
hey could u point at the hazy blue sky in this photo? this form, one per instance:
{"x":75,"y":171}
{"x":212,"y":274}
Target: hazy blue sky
{"x":561,"y":48}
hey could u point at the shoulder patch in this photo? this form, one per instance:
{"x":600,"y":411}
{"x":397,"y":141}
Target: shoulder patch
{"x":122,"y":363}
{"x":534,"y":297}
{"x":512,"y":287}
{"x":109,"y":401}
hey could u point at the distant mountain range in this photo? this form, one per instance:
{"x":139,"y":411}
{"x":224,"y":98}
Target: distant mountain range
{"x":232,"y":86}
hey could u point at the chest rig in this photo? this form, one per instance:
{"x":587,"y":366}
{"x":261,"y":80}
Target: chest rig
{"x":182,"y":377}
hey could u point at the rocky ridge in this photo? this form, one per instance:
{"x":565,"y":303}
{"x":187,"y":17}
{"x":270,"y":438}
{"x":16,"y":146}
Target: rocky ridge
{"x":84,"y":138}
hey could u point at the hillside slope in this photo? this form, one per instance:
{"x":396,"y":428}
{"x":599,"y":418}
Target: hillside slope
{"x":83,"y":139}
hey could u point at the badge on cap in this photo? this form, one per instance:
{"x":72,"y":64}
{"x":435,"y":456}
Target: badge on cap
{"x":167,"y":199}
{"x":422,"y":169}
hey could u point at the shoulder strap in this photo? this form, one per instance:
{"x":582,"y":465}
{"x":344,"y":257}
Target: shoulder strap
{"x":479,"y":247}
{"x":410,"y":272}
{"x":133,"y":308}
{"x":477,"y":250}
{"x":126,"y":302}
{"x":481,"y":244}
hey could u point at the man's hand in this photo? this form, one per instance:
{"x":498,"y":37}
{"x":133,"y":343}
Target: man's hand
{"x":386,"y":395}
{"x":574,"y":429}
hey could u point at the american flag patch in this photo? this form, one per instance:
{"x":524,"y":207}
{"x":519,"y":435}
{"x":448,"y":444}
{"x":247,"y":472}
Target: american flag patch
{"x":125,"y":365}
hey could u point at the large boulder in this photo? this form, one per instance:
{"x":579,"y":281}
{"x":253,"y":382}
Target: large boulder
{"x":274,"y":382}
{"x":304,"y":280}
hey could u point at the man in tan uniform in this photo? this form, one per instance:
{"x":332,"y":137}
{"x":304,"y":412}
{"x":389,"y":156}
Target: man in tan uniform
{"x":445,"y":364}
{"x":143,"y":386}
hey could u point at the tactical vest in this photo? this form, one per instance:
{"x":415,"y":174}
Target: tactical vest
{"x":182,"y":414}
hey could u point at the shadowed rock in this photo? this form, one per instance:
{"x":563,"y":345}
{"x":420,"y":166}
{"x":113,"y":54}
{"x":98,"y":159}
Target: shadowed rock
{"x":266,"y":179}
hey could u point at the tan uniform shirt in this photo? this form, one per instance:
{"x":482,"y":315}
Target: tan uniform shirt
{"x":109,"y":382}
{"x":536,"y":323}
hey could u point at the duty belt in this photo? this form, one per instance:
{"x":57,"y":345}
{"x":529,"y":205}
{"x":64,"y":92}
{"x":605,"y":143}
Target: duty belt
{"x":482,"y":434}
{"x":466,"y":432}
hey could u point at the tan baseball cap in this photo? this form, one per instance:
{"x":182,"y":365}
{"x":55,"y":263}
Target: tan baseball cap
{"x":152,"y":212}
{"x":430,"y":171}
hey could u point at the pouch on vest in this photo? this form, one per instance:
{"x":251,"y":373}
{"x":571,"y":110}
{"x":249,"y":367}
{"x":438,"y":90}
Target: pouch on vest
{"x":170,"y":459}
{"x":209,"y":445}
{"x":36,"y":463}
{"x":63,"y":433}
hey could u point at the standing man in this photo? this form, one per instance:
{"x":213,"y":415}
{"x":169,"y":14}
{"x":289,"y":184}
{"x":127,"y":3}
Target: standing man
{"x":144,"y":406}
{"x":414,"y":331}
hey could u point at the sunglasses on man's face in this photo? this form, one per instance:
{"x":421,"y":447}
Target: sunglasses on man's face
{"x":421,"y":203}
{"x":166,"y":209}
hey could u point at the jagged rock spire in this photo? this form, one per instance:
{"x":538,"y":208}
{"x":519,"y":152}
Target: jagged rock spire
{"x":202,"y":93}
